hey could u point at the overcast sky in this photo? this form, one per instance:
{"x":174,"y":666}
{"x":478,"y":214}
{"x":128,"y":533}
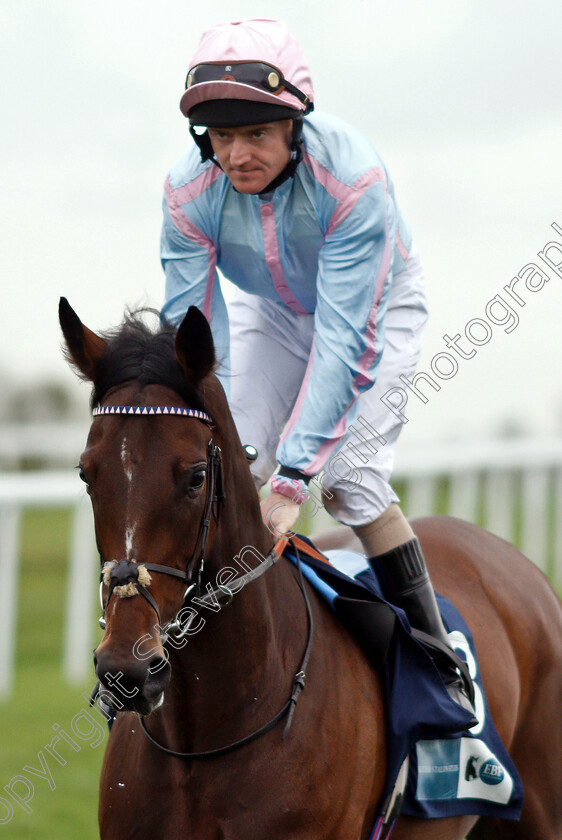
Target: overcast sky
{"x":462,"y":100}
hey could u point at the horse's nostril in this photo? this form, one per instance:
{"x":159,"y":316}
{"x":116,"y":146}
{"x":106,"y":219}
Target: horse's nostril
{"x":158,"y":677}
{"x":157,"y":664}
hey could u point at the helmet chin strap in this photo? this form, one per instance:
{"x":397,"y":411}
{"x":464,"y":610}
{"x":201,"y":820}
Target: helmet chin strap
{"x":207,"y":153}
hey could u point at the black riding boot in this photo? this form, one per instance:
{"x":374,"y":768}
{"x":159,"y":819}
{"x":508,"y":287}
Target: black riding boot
{"x":405,"y":582}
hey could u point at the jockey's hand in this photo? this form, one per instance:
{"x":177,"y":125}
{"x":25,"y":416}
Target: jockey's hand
{"x":279,"y":513}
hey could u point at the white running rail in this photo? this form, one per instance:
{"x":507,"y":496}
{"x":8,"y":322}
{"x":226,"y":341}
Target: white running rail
{"x":513,"y":488}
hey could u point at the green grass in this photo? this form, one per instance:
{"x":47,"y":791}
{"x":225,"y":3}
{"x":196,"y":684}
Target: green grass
{"x":41,"y":698}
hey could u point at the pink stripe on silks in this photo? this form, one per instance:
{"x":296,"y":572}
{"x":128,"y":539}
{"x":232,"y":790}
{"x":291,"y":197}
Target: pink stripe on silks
{"x":191,"y":231}
{"x":323,"y":454}
{"x":325,"y":450}
{"x":273,"y":261}
{"x":404,"y":253}
{"x":337,"y":189}
{"x":346,"y":196}
{"x":370,"y":352}
{"x":207,"y":307}
{"x":357,"y":190}
{"x":192,"y":190}
{"x":181,"y":221}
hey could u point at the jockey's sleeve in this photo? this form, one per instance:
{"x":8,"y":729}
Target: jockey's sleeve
{"x":189,"y":260}
{"x":353,"y":282}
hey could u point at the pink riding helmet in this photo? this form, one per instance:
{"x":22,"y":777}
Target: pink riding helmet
{"x":256,"y":60}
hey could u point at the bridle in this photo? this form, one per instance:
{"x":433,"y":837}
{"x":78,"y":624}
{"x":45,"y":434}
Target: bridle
{"x":134,"y":577}
{"x":127,"y":578}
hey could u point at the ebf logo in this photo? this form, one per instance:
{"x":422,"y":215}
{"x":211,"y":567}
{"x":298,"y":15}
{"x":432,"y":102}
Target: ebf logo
{"x":491,"y":772}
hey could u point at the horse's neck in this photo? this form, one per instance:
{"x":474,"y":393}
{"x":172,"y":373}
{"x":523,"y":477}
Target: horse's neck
{"x":237,"y":669}
{"x":236,"y":672}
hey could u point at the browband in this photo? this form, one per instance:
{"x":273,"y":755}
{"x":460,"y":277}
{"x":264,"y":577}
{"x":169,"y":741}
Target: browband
{"x":151,"y":410}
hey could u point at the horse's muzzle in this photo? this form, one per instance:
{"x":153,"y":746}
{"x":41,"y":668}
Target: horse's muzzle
{"x":132,"y":686}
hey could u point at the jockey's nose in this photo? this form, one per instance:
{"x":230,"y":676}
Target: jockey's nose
{"x":240,"y":151}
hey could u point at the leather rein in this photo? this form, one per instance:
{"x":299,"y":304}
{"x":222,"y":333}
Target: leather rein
{"x":299,"y":679}
{"x":121,"y":574}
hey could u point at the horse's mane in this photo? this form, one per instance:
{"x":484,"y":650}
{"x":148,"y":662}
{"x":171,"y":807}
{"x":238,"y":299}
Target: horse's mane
{"x":135,"y":352}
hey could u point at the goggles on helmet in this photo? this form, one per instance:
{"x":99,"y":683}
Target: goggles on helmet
{"x":254,"y":73}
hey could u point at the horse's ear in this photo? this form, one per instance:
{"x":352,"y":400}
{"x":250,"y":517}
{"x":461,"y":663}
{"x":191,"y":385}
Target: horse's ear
{"x":195,"y":348}
{"x":84,"y":347}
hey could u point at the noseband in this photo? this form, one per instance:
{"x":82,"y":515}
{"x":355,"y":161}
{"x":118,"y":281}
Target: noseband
{"x":127,"y":577}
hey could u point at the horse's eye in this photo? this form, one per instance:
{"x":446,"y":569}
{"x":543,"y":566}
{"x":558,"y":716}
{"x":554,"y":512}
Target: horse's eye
{"x":82,"y":475}
{"x":196,"y":480}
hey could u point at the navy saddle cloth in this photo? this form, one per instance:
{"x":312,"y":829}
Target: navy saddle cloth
{"x":453,"y":771}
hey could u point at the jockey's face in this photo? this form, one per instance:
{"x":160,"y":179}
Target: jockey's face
{"x":253,"y":155}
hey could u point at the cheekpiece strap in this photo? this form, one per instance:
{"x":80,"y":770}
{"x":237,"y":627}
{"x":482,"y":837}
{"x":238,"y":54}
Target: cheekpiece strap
{"x":149,"y":410}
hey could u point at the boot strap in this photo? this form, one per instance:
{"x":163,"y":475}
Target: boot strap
{"x":435,"y":645}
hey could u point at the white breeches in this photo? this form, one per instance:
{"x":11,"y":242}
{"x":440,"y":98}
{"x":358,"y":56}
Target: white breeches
{"x":270,"y":347}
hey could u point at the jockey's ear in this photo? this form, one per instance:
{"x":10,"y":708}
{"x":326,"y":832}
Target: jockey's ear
{"x":195,"y":348}
{"x":84,"y":348}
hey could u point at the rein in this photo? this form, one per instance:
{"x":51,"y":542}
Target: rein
{"x":128,"y":578}
{"x":289,"y":707}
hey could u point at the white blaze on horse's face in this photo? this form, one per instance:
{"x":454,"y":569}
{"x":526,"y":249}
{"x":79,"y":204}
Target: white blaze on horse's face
{"x":128,"y":468}
{"x":129,"y":536}
{"x":126,"y":460}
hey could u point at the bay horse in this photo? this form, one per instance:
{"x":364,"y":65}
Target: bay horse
{"x":158,"y":480}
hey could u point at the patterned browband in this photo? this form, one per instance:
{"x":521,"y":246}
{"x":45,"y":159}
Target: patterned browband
{"x":148,"y":410}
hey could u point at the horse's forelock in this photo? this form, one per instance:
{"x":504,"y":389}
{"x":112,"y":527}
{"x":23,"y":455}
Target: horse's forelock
{"x":135,"y":352}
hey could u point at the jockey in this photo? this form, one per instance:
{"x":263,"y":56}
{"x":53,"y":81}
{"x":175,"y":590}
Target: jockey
{"x":298,"y":211}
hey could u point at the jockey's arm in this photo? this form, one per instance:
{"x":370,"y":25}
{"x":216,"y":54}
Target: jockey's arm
{"x":353,"y":283}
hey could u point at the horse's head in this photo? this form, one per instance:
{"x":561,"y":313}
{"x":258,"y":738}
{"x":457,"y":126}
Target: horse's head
{"x":152,"y":469}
